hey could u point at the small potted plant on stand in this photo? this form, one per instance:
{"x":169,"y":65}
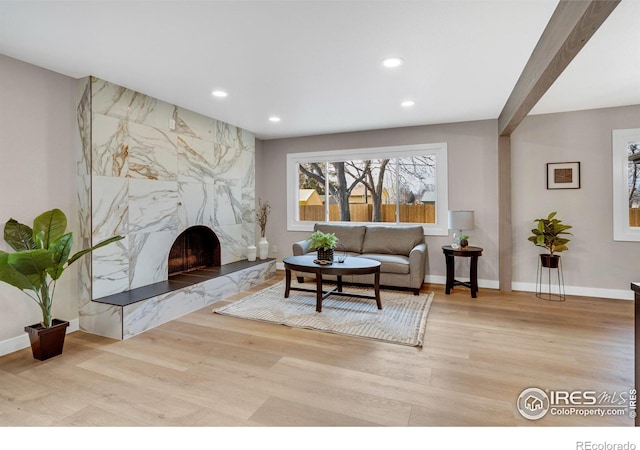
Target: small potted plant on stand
{"x":324,"y":243}
{"x":262,"y":216}
{"x":41,"y":256}
{"x":548,"y":235}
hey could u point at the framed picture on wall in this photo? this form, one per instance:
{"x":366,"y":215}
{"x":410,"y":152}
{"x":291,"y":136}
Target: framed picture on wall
{"x":565,"y":175}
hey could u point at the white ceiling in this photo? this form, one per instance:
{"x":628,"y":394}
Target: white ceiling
{"x":317,"y":64}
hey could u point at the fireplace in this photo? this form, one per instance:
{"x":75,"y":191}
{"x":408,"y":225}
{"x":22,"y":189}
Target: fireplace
{"x":195,"y":248}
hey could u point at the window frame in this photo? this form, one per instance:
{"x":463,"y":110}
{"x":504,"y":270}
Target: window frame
{"x":619,"y":145}
{"x":438,"y":150}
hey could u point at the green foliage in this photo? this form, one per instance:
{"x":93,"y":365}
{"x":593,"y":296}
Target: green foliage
{"x":40,"y":258}
{"x":548,"y":234}
{"x":324,"y":241}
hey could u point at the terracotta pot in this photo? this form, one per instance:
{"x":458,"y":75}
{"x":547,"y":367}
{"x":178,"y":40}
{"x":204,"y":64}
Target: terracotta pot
{"x":47,"y":342}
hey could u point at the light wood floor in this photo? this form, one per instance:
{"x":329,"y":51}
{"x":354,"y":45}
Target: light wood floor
{"x":210,"y":370}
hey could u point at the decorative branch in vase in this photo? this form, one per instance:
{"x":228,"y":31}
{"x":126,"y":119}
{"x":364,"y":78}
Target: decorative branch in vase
{"x":262,"y":216}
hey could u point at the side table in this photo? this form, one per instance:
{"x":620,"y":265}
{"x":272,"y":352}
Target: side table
{"x":469,"y":252}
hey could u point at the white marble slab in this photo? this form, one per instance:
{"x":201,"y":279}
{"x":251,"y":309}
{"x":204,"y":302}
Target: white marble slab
{"x":153,"y":153}
{"x":148,"y":257}
{"x":195,"y":157}
{"x":101,"y":319}
{"x":110,"y":146}
{"x":189,"y":123}
{"x":228,"y":204}
{"x":110,"y":274}
{"x":153,"y":206}
{"x":110,"y":203}
{"x":150,"y":313}
{"x":195,"y":204}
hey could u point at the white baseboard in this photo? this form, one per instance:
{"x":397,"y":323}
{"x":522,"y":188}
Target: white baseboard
{"x":617,"y":294}
{"x":21,"y":342}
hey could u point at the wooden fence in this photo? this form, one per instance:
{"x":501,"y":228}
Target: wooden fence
{"x":361,"y":212}
{"x":634,"y":217}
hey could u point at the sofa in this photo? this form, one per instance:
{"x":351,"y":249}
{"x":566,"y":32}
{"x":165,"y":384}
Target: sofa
{"x":401,"y":250}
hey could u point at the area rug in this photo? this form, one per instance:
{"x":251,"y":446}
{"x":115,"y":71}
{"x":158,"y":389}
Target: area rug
{"x":402,"y":319}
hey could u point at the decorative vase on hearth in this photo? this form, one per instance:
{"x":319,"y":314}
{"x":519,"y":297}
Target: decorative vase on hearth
{"x":251,"y":253}
{"x":263,"y":248}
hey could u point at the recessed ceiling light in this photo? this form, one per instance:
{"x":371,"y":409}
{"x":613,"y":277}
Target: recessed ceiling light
{"x":393,"y":62}
{"x":219,"y":94}
{"x":274,"y":119}
{"x":408,"y":103}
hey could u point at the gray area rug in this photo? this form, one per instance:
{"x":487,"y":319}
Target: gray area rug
{"x":402,"y":319}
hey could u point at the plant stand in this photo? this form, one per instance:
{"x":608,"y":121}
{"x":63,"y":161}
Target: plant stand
{"x":550,"y":281}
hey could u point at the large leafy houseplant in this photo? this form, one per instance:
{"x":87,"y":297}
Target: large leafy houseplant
{"x":549,"y":234}
{"x":41,"y":257}
{"x":324,"y":243}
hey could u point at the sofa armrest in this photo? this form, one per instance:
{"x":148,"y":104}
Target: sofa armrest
{"x":417,"y":263}
{"x":301,"y":247}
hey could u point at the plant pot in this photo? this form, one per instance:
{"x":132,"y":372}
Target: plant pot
{"x":550,"y":261}
{"x":47,"y":342}
{"x":325,"y":255}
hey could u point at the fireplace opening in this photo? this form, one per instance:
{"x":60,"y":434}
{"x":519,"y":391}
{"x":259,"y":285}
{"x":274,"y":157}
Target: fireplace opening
{"x":195,"y":248}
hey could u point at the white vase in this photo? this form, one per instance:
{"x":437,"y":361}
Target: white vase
{"x":251,"y":252}
{"x":263,"y":248}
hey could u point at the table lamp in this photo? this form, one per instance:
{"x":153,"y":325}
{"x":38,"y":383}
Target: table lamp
{"x":459,"y":221}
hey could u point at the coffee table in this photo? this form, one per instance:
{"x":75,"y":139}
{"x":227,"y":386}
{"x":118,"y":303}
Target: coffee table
{"x":351,"y":266}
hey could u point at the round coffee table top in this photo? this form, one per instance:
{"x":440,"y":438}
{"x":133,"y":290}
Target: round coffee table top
{"x":351,"y":263}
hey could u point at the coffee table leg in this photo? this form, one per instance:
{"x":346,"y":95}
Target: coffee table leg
{"x":319,"y":291}
{"x":339,"y":283}
{"x":376,"y":287}
{"x":288,"y":285}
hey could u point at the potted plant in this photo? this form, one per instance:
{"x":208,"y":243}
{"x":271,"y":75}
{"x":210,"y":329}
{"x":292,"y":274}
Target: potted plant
{"x":548,"y":235}
{"x":40,"y":258}
{"x":324,"y":243}
{"x":262,"y":215}
{"x":464,"y":241}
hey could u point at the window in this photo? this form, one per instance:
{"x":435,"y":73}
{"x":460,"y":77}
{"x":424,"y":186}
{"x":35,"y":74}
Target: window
{"x":394,"y":185}
{"x":626,"y":184}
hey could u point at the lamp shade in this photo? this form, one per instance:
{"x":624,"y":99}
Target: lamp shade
{"x":461,"y":220}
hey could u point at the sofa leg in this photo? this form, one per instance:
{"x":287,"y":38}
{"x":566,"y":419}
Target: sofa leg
{"x":416,"y":292}
{"x":300,"y":279}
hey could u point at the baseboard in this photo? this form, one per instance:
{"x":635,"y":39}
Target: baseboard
{"x":21,"y":342}
{"x":616,"y":294}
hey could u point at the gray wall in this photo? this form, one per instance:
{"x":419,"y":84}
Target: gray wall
{"x":472,"y":163}
{"x":594,"y":265}
{"x":37,"y":169}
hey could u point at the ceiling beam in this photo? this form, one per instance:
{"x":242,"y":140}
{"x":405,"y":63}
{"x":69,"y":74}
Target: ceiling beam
{"x":570,"y":27}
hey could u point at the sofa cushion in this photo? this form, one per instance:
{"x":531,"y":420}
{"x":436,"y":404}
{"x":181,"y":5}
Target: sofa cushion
{"x":389,"y":263}
{"x":350,"y":237}
{"x":392,"y":240}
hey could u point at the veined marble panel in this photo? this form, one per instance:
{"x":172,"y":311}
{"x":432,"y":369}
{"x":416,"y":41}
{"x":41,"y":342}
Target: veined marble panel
{"x":153,"y":153}
{"x":220,"y":288}
{"x":110,"y":146}
{"x":101,"y":319}
{"x":116,"y":101}
{"x":195,"y":204}
{"x":110,"y":197}
{"x":83,"y":118}
{"x":110,"y":268}
{"x":195,"y":158}
{"x":150,"y":313}
{"x":83,"y":193}
{"x":153,"y":206}
{"x":227,"y":162}
{"x":231,"y":242}
{"x":148,"y":253}
{"x":189,"y":123}
{"x":228,"y":204}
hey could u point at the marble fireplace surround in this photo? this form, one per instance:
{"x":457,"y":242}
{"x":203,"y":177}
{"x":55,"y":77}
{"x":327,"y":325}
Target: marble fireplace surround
{"x":149,"y":170}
